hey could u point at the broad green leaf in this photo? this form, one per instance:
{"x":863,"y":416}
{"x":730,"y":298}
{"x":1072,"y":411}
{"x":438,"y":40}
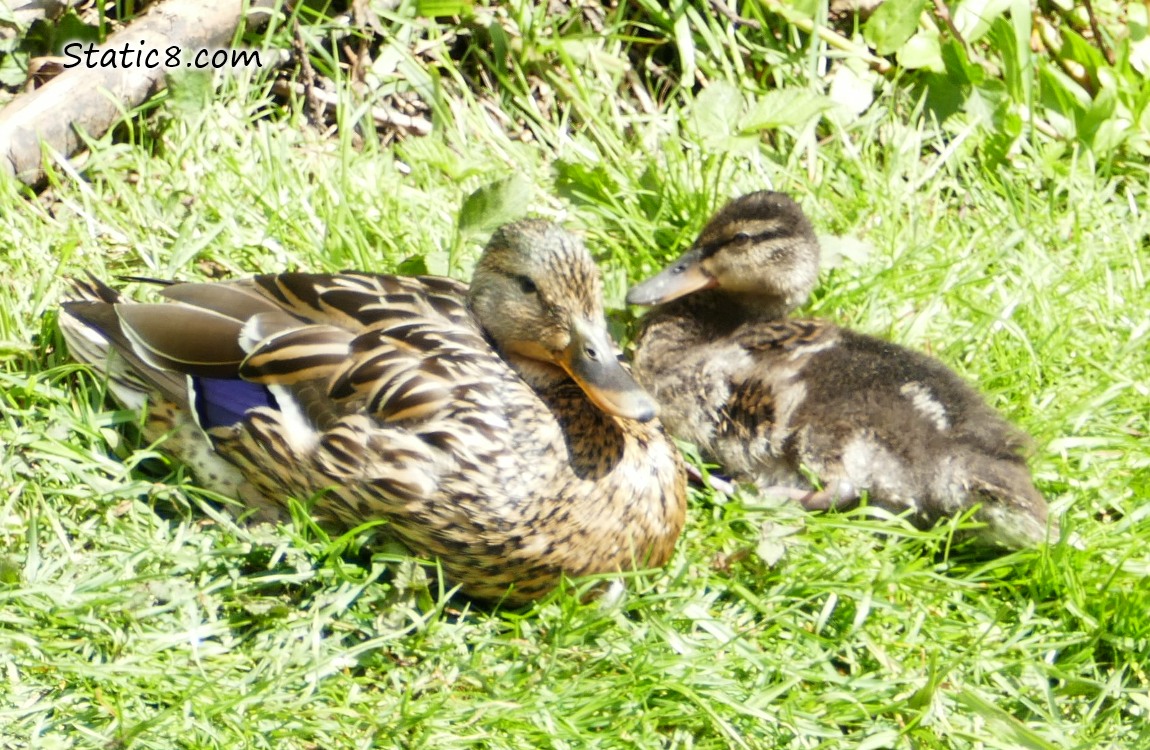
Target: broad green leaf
{"x":892,"y":24}
{"x":1016,"y":77}
{"x":71,"y":28}
{"x":959,"y":69}
{"x":585,"y":183}
{"x":807,"y":9}
{"x":715,"y":114}
{"x":1023,"y":25}
{"x":784,"y":108}
{"x":973,"y":18}
{"x":494,"y":204}
{"x":13,"y":69}
{"x":1002,"y":135}
{"x":7,"y":17}
{"x":852,"y":90}
{"x":10,"y":567}
{"x":1137,"y":21}
{"x":1096,"y":116}
{"x":414,"y":265}
{"x":1062,"y":93}
{"x":922,"y":51}
{"x":189,"y":91}
{"x":986,"y":101}
{"x":717,"y":109}
{"x":1075,"y":47}
{"x":774,"y":540}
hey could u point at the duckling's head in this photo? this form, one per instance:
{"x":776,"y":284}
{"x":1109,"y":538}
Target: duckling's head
{"x":537,"y":293}
{"x":759,"y":247}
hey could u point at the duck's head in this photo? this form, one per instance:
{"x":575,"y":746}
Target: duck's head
{"x":759,"y":247}
{"x":537,"y":293}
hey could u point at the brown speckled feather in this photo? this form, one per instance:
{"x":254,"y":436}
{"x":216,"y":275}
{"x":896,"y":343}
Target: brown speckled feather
{"x":386,"y":399}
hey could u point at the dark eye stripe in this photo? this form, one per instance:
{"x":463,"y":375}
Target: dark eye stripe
{"x":767,"y":235}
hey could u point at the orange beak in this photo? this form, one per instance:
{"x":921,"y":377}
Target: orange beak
{"x":591,"y":362}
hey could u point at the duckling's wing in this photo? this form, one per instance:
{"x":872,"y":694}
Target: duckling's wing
{"x":794,"y":337}
{"x":765,"y":391}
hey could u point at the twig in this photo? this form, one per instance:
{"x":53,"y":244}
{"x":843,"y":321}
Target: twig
{"x":382,"y":115}
{"x":1097,"y":32}
{"x":943,"y":12}
{"x":734,"y":17}
{"x":313,"y":107}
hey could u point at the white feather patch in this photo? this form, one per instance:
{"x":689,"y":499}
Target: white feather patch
{"x":926,"y":404}
{"x":299,"y":431}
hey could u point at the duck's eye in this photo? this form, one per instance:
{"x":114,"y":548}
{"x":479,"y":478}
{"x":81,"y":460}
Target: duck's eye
{"x":741,"y":237}
{"x":526,"y":284}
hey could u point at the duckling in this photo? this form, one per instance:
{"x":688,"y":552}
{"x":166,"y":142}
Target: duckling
{"x":777,"y":401}
{"x":493,"y":426}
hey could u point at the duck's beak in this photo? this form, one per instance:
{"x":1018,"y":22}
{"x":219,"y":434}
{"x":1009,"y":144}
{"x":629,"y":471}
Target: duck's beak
{"x":682,"y":277}
{"x":591,"y":362}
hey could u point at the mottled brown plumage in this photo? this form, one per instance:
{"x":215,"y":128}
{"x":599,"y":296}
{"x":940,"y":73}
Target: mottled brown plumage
{"x":776,"y":400}
{"x":466,"y":417}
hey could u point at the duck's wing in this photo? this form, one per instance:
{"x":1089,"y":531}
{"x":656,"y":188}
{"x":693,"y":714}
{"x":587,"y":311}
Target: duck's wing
{"x":389,"y":346}
{"x":387,"y":387}
{"x":398,"y":348}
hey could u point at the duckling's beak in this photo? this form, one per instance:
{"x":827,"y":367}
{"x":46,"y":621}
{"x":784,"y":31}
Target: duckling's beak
{"x":682,"y":277}
{"x":591,"y":362}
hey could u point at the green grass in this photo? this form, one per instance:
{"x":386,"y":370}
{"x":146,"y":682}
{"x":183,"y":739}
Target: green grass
{"x":134,"y":614}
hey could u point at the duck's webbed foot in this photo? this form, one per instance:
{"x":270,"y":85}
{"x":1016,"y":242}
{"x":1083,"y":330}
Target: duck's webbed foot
{"x":715,"y":482}
{"x":836,"y":494}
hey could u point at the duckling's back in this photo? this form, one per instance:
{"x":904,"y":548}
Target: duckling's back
{"x":777,"y":401}
{"x":905,"y":429}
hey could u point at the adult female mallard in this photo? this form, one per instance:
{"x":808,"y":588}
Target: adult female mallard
{"x":776,"y":400}
{"x":492,"y":426}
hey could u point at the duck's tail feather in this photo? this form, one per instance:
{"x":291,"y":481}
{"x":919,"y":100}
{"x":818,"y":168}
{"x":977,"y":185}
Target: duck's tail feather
{"x":92,"y":330}
{"x":187,"y":352}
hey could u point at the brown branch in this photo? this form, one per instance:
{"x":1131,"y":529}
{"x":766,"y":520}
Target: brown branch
{"x":943,"y":12}
{"x":1097,"y":32}
{"x":90,"y":100}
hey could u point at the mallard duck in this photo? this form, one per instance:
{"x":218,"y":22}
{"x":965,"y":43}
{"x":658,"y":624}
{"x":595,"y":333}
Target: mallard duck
{"x":493,"y":427}
{"x":811,"y":411}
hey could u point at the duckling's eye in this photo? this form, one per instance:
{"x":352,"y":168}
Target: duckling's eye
{"x":741,"y":237}
{"x":526,"y":284}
